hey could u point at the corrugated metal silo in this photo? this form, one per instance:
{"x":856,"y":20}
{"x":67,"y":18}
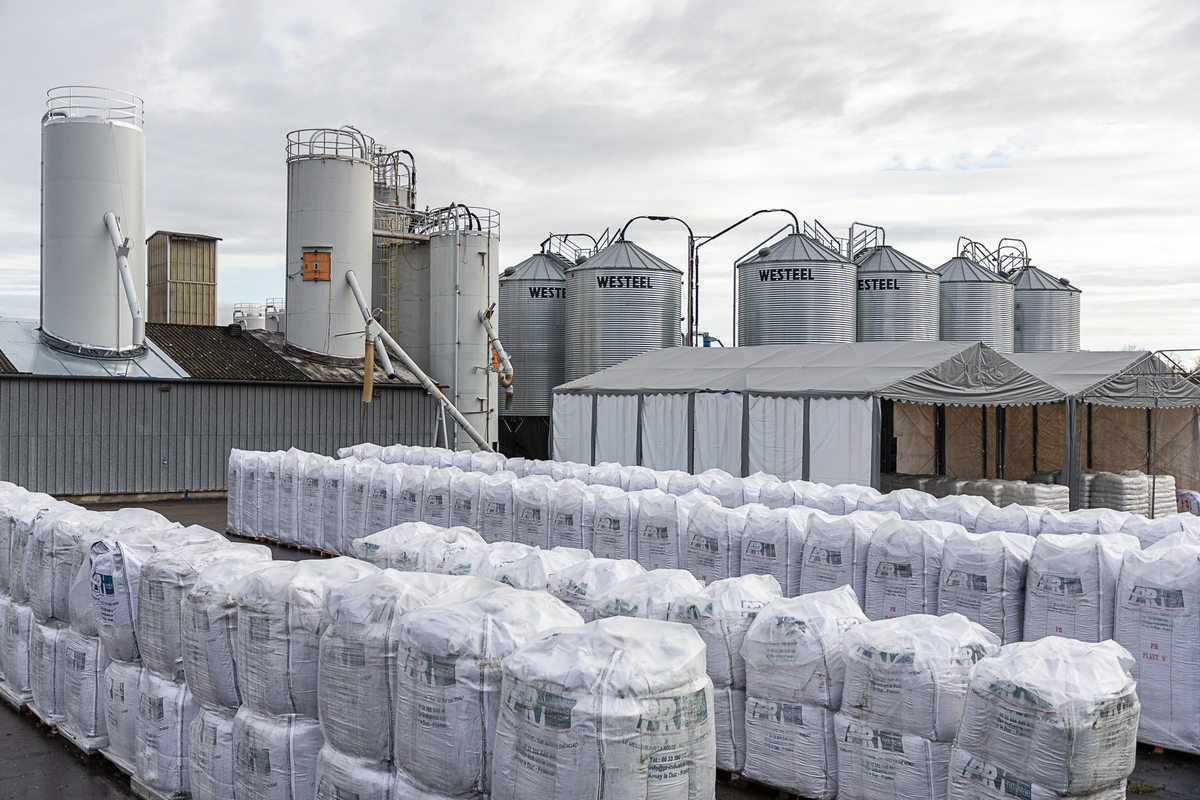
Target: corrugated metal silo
{"x":976,"y":305}
{"x":532,"y":315}
{"x":797,"y":291}
{"x":1046,"y":316}
{"x":897,"y":297}
{"x":621,"y":302}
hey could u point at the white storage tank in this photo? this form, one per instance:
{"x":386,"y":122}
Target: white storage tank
{"x":93,"y":164}
{"x":1046,"y":312}
{"x":533,"y":313}
{"x":976,"y":305}
{"x":329,"y":231}
{"x":797,"y":291}
{"x":621,"y":302}
{"x":250,"y":316}
{"x":897,"y":297}
{"x":464,"y":280}
{"x":275,"y":314}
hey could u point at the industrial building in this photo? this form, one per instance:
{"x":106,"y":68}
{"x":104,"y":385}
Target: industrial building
{"x":182,"y":273}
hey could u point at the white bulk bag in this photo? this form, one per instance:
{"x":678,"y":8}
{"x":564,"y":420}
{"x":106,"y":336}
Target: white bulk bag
{"x":48,"y":564}
{"x":268,"y":495}
{"x":535,"y":571}
{"x":1100,"y":521}
{"x":488,"y":463}
{"x":621,"y":707}
{"x":436,"y":508}
{"x":343,"y":777}
{"x":310,"y":517}
{"x":353,"y":689}
{"x":166,"y":579}
{"x":607,"y":474}
{"x":31,"y":513}
{"x":559,"y":470}
{"x":983,"y":578}
{"x":483,"y":562}
{"x":275,"y":758}
{"x":47,"y":671}
{"x":122,"y":686}
{"x":18,"y":620}
{"x":461,"y":460}
{"x":381,"y":499}
{"x":657,"y":529}
{"x":356,"y":493}
{"x":165,"y":713}
{"x":531,"y":511}
{"x":879,"y":763}
{"x":83,"y":687}
{"x":651,"y":595}
{"x":908,"y":503}
{"x":639,"y":479}
{"x":724,"y":487}
{"x":821,"y":497}
{"x":496,"y":509}
{"x":909,"y":675}
{"x":281,"y":616}
{"x":210,"y":633}
{"x":729,"y":725}
{"x":396,"y":547}
{"x":233,"y":485}
{"x":291,"y":482}
{"x":959,"y":509}
{"x":855,"y":497}
{"x":793,"y":649}
{"x":1158,"y":621}
{"x":714,"y":542}
{"x":1151,"y":531}
{"x":680,"y":483}
{"x":572,"y":509}
{"x":766,"y":546}
{"x":1014,"y":519}
{"x":464,"y":500}
{"x":1071,"y":583}
{"x":1058,"y":712}
{"x":904,"y":564}
{"x":578,"y":585}
{"x":252,"y":465}
{"x":613,"y":533}
{"x":447,"y":682}
{"x":333,"y":507}
{"x":776,"y":495}
{"x":409,"y":504}
{"x":722,"y":613}
{"x":436,"y":550}
{"x":210,"y":755}
{"x":791,"y":747}
{"x":974,"y":778}
{"x":517,"y":466}
{"x":752,"y":485}
{"x":835,"y":552}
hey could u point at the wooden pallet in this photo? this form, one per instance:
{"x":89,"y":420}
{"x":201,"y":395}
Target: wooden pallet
{"x":117,"y":761}
{"x":86,"y":745}
{"x":148,"y":792}
{"x":19,"y":701}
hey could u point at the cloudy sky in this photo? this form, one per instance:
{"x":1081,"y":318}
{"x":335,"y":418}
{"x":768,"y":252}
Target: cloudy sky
{"x":1072,"y":125}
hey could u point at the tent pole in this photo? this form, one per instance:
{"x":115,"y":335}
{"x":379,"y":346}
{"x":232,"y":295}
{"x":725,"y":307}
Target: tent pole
{"x":983,"y":440}
{"x":1035,"y":437}
{"x":939,"y":439}
{"x":1089,"y":435}
{"x":1001,"y":432}
{"x":1070,"y":459}
{"x":1154,"y":462}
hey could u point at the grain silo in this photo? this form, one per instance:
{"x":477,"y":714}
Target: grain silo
{"x":329,"y":231}
{"x":1046,"y":312}
{"x":621,"y":302}
{"x":897,"y":297}
{"x":533,"y":313}
{"x":93,"y":222}
{"x":976,"y":304}
{"x":797,"y":291}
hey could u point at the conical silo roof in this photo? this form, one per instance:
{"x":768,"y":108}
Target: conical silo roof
{"x":796,"y":247}
{"x":961,"y":269}
{"x":886,"y":258}
{"x":1033,"y":278}
{"x":538,"y":267}
{"x":623,"y":254}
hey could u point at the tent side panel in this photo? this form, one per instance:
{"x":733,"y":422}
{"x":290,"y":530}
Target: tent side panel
{"x":572,"y":424}
{"x":665,"y":431}
{"x":777,"y":436}
{"x":912,"y":425}
{"x":841,"y":431}
{"x":616,"y":428}
{"x":718,"y":439}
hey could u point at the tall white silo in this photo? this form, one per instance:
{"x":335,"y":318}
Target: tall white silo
{"x":93,"y":165}
{"x":329,"y":231}
{"x":464,"y":280}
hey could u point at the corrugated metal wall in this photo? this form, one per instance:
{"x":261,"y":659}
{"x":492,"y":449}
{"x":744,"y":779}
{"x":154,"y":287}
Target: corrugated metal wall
{"x":81,"y":436}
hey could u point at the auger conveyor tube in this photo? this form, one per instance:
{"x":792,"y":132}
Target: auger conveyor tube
{"x":375,"y":330}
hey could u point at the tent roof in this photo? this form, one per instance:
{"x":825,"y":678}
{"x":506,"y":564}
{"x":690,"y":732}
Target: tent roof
{"x":1128,"y":378}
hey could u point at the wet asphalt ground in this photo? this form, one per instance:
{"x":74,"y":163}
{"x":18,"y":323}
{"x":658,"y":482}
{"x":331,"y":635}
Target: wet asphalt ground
{"x":36,"y":764}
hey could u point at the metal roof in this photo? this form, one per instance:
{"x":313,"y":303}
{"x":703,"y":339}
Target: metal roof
{"x":178,"y":235}
{"x":538,"y":267}
{"x":327,"y":372}
{"x":209,"y":352}
{"x":795,"y":247}
{"x":961,"y":269}
{"x":21,"y":342}
{"x":1035,"y":279}
{"x":624,"y":254}
{"x":886,"y":258}
{"x":6,"y":366}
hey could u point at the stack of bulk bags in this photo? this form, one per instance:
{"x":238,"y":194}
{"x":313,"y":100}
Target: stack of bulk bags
{"x":381,"y":499}
{"x":1071,"y":584}
{"x":651,"y":595}
{"x":1162,"y":501}
{"x":209,"y":635}
{"x":535,"y":571}
{"x":447,"y":683}
{"x":436,"y":506}
{"x":1045,"y":720}
{"x":1043,"y":495}
{"x":618,"y":708}
{"x":357,"y":500}
{"x":531,"y":511}
{"x":794,"y":678}
{"x":572,"y":511}
{"x":1122,"y":491}
{"x":945,"y":486}
{"x":906,"y":681}
{"x":714,"y":542}
{"x":437,"y":550}
{"x":613,"y":524}
{"x":983,"y":578}
{"x":311,"y":522}
{"x":291,"y":482}
{"x":1100,"y":521}
{"x":409,"y":504}
{"x":1158,"y":622}
{"x":281,"y":616}
{"x":579,"y":584}
{"x":904,"y":564}
{"x":721,"y":613}
{"x":835,"y":552}
{"x":464,"y":500}
{"x":1014,"y":519}
{"x":354,"y":686}
{"x":166,"y":707}
{"x":496,"y":506}
{"x":484,"y":562}
{"x":268,"y":495}
{"x":396,"y":547}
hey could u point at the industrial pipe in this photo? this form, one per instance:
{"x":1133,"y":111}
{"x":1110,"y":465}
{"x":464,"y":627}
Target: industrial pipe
{"x":384,"y":361}
{"x":121,"y":247}
{"x":407,"y":361}
{"x":506,"y":367}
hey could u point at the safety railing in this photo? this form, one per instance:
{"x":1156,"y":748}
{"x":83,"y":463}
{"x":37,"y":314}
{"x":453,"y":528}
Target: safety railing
{"x":95,"y":101}
{"x":344,"y":142}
